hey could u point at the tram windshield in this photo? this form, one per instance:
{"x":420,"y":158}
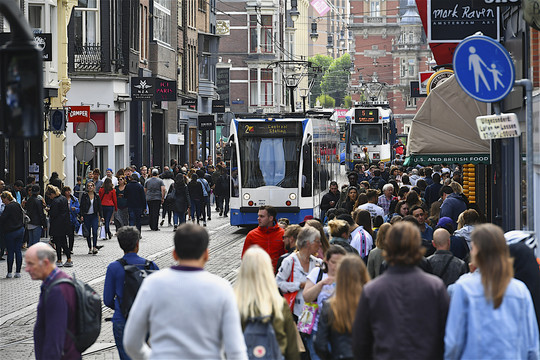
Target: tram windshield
{"x":366,"y":134}
{"x":270,"y":153}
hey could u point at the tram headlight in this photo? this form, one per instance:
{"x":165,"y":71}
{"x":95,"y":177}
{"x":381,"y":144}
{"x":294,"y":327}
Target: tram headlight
{"x":292,"y":196}
{"x":247,"y":196}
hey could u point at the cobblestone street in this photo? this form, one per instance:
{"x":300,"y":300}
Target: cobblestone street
{"x":20,"y":296}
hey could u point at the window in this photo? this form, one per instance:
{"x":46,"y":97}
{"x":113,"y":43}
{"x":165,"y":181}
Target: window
{"x":134,"y":24}
{"x":118,"y":121}
{"x":204,"y":59}
{"x":143,"y":32}
{"x":86,"y":23}
{"x":375,"y":8}
{"x":411,"y":102}
{"x":266,"y":34}
{"x":265,"y":98}
{"x":411,"y":67}
{"x":35,"y":17}
{"x":403,"y":69}
{"x":202,"y":5}
{"x":162,"y":21}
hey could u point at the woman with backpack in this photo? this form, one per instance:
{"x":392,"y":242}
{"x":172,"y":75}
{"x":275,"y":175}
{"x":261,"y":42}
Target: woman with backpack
{"x":260,"y":304}
{"x":491,"y":302}
{"x":338,"y":313}
{"x":320,"y":285}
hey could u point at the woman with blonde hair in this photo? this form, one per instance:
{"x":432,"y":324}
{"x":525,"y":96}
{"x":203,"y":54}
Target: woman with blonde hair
{"x":375,"y":257}
{"x":257,"y":296}
{"x":337,"y":316}
{"x":491,"y":302}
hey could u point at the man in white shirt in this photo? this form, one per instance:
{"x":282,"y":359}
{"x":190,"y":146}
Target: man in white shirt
{"x":371,"y":205}
{"x":187,"y":312}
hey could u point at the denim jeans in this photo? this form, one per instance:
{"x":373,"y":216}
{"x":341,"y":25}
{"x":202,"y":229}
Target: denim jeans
{"x":179,"y":218}
{"x":91,"y":223}
{"x":14,"y":241}
{"x":107,"y":215}
{"x":34,"y":236}
{"x":118,"y":332}
{"x":195,"y":209}
{"x":310,"y":347}
{"x":135,"y":217}
{"x":208,"y":207}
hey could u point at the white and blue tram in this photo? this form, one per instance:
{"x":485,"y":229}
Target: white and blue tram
{"x":372,"y":129}
{"x":285,"y":161}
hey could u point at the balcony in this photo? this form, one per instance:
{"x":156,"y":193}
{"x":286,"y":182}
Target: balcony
{"x":88,"y":58}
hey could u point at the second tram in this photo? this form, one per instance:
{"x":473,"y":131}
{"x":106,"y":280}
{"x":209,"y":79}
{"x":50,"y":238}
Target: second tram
{"x":370,"y":135}
{"x":285,"y":161}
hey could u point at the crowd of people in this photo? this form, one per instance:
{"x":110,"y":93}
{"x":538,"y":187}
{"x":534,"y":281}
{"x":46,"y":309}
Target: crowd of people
{"x":127,"y":197}
{"x":378,"y":276}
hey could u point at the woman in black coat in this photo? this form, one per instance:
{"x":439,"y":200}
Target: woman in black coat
{"x":59,"y":224}
{"x":11,"y":223}
{"x":181,"y":200}
{"x":196,"y":198}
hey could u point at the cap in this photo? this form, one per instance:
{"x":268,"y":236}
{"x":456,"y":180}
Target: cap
{"x":445,"y":221}
{"x":109,"y":169}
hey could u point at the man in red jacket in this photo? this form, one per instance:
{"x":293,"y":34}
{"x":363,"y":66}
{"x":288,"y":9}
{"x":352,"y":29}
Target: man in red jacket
{"x":268,"y":235}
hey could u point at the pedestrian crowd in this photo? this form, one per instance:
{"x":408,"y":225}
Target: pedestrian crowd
{"x":377,"y":277}
{"x":127,"y":197}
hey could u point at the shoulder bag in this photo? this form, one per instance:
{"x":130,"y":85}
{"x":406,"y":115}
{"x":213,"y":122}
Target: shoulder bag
{"x":307,"y":319}
{"x":291,"y":296}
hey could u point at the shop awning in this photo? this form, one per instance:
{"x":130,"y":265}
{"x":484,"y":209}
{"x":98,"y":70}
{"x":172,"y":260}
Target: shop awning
{"x":444,"y":128}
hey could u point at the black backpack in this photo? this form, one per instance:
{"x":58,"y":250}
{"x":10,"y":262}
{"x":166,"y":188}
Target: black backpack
{"x":133,"y":279}
{"x":88,"y":313}
{"x":260,"y":339}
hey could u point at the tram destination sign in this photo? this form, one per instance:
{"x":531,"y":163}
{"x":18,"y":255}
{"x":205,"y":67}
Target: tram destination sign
{"x":366,"y":115}
{"x":270,"y":129}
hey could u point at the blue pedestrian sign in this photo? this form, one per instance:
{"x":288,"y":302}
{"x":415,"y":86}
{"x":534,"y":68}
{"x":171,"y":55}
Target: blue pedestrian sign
{"x":483,"y":68}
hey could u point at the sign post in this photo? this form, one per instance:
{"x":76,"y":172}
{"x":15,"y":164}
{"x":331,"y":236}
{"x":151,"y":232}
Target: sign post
{"x":485,"y":71}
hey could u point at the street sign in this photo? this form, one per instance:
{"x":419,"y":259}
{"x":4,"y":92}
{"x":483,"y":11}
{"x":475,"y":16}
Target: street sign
{"x":498,"y":126}
{"x":207,"y":122}
{"x":438,"y":78}
{"x":78,"y":113}
{"x":483,"y":68}
{"x":423,"y":77}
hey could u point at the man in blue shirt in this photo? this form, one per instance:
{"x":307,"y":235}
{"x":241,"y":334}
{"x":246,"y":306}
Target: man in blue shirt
{"x":128,"y":239}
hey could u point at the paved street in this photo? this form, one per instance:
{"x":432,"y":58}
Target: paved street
{"x":19,"y":297}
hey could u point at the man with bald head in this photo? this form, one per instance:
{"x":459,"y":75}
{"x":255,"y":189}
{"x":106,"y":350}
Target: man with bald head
{"x":56,"y":317}
{"x":444,"y":264}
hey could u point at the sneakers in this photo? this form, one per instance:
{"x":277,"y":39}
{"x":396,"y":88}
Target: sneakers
{"x":68,"y":263}
{"x":204,"y":223}
{"x":209,"y":218}
{"x":89,"y":251}
{"x":220,"y":213}
{"x":9,"y":276}
{"x":94,"y":251}
{"x":161,"y":223}
{"x":59,"y":264}
{"x":17,"y":275}
{"x":175,"y":227}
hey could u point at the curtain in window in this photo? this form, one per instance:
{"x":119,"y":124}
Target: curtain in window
{"x":272,"y":161}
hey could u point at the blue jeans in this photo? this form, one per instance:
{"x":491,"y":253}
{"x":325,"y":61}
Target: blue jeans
{"x":34,"y":236}
{"x":135,"y":217}
{"x":208,"y":206}
{"x":14,"y":241}
{"x":107,"y":215}
{"x":91,"y":223}
{"x":309,"y":344}
{"x":196,"y":209}
{"x":179,"y":218}
{"x":118,"y":332}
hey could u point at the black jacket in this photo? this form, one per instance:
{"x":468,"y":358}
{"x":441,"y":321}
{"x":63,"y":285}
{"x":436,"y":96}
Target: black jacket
{"x":134,"y":193}
{"x":181,"y":198}
{"x":329,"y":196}
{"x":59,"y":217}
{"x":12,"y":218}
{"x":340,"y":343}
{"x":85,"y":205}
{"x":34,"y":210}
{"x":195,"y":190}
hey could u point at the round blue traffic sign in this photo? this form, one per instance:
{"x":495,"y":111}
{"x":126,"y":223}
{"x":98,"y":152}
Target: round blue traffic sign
{"x":483,"y":68}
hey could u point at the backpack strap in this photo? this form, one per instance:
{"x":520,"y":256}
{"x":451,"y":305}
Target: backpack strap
{"x":363,"y":236}
{"x":319,"y":277}
{"x":147,"y":264}
{"x":122,"y":261}
{"x":446,"y":266}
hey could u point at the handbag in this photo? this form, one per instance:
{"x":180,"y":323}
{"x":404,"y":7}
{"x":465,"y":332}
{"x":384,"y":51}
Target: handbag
{"x":307,"y":319}
{"x":102,"y":234}
{"x":291,"y":296}
{"x":26,"y":218}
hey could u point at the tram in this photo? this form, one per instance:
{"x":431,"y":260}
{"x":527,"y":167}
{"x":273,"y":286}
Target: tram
{"x":370,"y":135}
{"x":282,"y":160}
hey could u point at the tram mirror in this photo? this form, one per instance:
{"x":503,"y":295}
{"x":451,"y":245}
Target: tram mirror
{"x":227,"y":152}
{"x":385,"y":134}
{"x":21,"y":91}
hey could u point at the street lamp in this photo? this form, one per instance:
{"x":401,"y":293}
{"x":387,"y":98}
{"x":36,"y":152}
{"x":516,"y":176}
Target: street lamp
{"x":314,"y":35}
{"x":294,"y":14}
{"x":330,"y":43}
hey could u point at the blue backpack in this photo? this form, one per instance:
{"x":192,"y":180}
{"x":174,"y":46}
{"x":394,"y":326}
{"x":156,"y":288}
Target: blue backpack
{"x":260,"y":339}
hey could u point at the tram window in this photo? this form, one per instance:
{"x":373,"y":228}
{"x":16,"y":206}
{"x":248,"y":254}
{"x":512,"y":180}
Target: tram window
{"x":307,"y":176}
{"x":234,"y":172}
{"x":366,"y":135}
{"x":270,"y":162}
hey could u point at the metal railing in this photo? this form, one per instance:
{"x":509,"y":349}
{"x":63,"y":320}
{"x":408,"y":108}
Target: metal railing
{"x":88,"y":58}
